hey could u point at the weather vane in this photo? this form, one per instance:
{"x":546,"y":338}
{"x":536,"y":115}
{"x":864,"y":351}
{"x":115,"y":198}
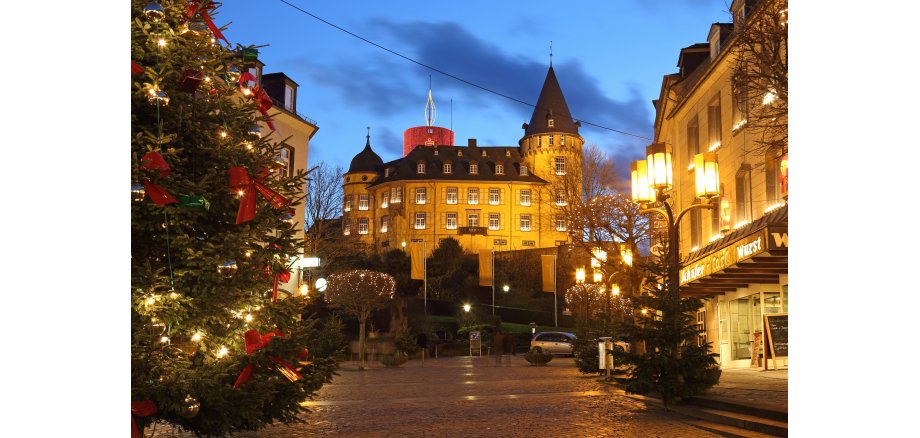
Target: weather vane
{"x":550,"y":53}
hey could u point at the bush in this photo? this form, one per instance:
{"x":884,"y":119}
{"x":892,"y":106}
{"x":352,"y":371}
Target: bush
{"x":536,"y":356}
{"x":329,"y":340}
{"x":407,"y":343}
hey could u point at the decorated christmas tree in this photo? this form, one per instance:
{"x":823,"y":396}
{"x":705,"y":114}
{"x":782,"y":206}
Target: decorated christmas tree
{"x":668,"y":360}
{"x":214,"y":346}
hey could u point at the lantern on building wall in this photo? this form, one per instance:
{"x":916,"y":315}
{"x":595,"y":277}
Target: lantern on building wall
{"x":660,"y":175}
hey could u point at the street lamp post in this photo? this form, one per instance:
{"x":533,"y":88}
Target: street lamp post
{"x":652,"y":178}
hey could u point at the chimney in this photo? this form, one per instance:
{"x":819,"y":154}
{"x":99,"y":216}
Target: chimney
{"x":471,"y":142}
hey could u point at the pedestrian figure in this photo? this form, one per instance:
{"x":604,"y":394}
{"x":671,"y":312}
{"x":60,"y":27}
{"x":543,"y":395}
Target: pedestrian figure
{"x":498,"y":345}
{"x":422,"y":341}
{"x":508,"y":347}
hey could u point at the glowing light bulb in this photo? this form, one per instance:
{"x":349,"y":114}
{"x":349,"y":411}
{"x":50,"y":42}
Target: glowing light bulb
{"x":223,"y":134}
{"x":161,"y":42}
{"x":248,"y":317}
{"x":248,"y":253}
{"x":240,"y":193}
{"x":196,"y":337}
{"x":222,"y":352}
{"x":150,"y":301}
{"x":173,"y":295}
{"x":644,"y":311}
{"x":303,"y":290}
{"x":207,"y":79}
{"x":164,"y":339}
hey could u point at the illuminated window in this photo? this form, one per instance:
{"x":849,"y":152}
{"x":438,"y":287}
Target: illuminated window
{"x":285,"y":160}
{"x":493,"y":221}
{"x":385,"y":199}
{"x":499,"y":169}
{"x":550,"y":123}
{"x":421,"y":195}
{"x":451,"y":221}
{"x":346,"y":227}
{"x":384,"y":224}
{"x":507,"y":153}
{"x":715,"y":124}
{"x":472,"y":196}
{"x":524,"y":171}
{"x":472,"y":219}
{"x":363,"y":202}
{"x":396,"y":195}
{"x":560,"y":198}
{"x":421,"y":168}
{"x":420,"y":221}
{"x":494,"y":196}
{"x":447,"y":168}
{"x":525,"y":197}
{"x":550,"y":140}
{"x":560,"y":165}
{"x":525,"y":222}
{"x":474,"y":169}
{"x":387,"y":172}
{"x":451,"y":195}
{"x":363,"y":225}
{"x":560,"y":223}
{"x":347,"y":203}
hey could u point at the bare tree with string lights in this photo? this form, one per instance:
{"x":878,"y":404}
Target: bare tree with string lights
{"x":358,"y":293}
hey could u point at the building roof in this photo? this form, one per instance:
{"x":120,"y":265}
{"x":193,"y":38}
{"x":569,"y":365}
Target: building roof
{"x":367,"y":160}
{"x":406,"y":168}
{"x":779,"y":216}
{"x":551,"y":102}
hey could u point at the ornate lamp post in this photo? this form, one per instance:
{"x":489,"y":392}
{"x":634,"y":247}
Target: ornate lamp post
{"x":652,"y":178}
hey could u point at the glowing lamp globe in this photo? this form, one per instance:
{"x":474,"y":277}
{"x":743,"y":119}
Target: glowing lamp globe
{"x":659,"y":166}
{"x":707,"y":175}
{"x":641,"y":191}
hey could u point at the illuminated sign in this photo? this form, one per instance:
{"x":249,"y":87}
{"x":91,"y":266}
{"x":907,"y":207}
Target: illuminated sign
{"x":737,"y":251}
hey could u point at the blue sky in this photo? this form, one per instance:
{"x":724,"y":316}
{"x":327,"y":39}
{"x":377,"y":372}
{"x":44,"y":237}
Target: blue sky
{"x":609,"y":57}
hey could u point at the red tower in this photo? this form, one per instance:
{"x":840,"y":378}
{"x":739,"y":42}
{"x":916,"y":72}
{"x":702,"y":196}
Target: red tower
{"x":428,"y":136}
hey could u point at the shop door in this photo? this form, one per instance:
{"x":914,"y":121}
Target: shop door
{"x":725,"y":351}
{"x":745,"y":315}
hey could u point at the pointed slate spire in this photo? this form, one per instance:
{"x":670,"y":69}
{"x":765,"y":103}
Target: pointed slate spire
{"x":551,"y":106}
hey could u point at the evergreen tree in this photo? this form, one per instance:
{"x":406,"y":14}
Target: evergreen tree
{"x":202,"y":277}
{"x":664,"y":326}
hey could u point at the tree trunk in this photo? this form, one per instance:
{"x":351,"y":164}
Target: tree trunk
{"x":361,"y":345}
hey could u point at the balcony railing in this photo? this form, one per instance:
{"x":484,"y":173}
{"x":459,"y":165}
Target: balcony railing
{"x":280,"y":105}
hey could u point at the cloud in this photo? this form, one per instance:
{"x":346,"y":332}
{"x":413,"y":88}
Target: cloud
{"x":386,"y":143}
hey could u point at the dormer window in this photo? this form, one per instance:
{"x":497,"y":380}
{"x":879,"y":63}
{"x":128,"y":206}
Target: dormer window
{"x":421,"y":168}
{"x":387,"y":172}
{"x":289,"y":98}
{"x":524,"y":171}
{"x":483,"y":153}
{"x":436,"y":152}
{"x":499,"y":169}
{"x":448,"y":168}
{"x":474,"y":168}
{"x":550,"y":123}
{"x":430,"y":130}
{"x":507,"y":153}
{"x":459,"y":152}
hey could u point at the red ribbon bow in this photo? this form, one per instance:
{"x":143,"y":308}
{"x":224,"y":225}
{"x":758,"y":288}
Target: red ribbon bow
{"x":284,"y":276}
{"x":240,"y":181}
{"x":254,"y":342}
{"x":258,"y":93}
{"x":153,"y":161}
{"x":136,"y":68}
{"x":144,"y":408}
{"x":202,"y":9}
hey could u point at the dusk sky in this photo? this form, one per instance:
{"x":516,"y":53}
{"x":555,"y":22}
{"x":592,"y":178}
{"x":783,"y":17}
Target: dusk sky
{"x":609,"y":57}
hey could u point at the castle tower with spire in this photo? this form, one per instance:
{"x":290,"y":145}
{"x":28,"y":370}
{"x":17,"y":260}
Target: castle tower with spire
{"x":358,"y":215}
{"x":551,"y":145}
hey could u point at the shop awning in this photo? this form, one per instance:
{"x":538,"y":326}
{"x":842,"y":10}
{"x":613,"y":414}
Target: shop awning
{"x":757,"y":253}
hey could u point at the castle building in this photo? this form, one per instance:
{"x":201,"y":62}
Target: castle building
{"x":486,"y":197}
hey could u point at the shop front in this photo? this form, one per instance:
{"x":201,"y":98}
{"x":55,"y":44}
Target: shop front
{"x":742,"y":277}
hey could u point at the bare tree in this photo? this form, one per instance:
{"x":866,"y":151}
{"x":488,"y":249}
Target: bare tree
{"x":322,"y":204}
{"x":598,"y":216}
{"x":584,"y":300}
{"x":760,"y":78}
{"x":358,"y":293}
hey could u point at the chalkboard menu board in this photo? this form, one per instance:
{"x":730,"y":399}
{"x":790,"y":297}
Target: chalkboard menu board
{"x":777,"y":325}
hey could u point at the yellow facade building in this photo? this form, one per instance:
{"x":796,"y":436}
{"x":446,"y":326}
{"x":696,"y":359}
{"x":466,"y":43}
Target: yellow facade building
{"x":734,"y":255}
{"x":495,"y":197}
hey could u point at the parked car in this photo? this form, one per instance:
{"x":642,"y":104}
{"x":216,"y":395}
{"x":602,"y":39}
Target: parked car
{"x":554,"y":342}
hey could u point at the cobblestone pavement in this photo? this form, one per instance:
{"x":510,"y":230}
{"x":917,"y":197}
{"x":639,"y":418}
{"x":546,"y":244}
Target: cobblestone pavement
{"x":473,"y":397}
{"x":754,"y":386}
